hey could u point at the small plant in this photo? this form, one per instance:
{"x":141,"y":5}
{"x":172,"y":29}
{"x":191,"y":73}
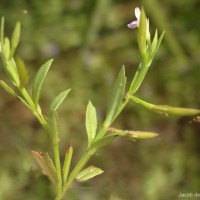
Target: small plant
{"x":98,"y":135}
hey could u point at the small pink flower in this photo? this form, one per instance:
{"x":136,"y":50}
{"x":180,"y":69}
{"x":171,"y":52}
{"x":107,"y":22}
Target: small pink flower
{"x":135,"y":23}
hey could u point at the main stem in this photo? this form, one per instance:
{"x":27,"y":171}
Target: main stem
{"x":86,"y":156}
{"x":38,"y":113}
{"x":137,"y":80}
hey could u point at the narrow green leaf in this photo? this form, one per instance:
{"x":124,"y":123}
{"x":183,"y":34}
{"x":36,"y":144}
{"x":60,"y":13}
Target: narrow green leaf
{"x":116,"y":98}
{"x":6,"y":48}
{"x":138,"y":77}
{"x":11,"y":70}
{"x":15,"y":39}
{"x":88,"y":173}
{"x":67,"y":163}
{"x":22,"y":71}
{"x":176,"y":111}
{"x":140,"y":135}
{"x":8,"y":88}
{"x":39,"y":79}
{"x":2,"y":31}
{"x":59,"y":99}
{"x":142,"y":31}
{"x":46,"y":165}
{"x":91,"y":122}
{"x":132,"y":135}
{"x":154,"y":45}
{"x":166,"y":109}
{"x":160,"y":40}
{"x":2,"y":38}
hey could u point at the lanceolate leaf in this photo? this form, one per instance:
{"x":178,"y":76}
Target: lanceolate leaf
{"x":59,"y":99}
{"x":166,"y":109}
{"x":141,"y":37}
{"x":15,"y":39}
{"x":2,"y":37}
{"x":12,"y":72}
{"x":6,"y":48}
{"x":46,"y":165}
{"x":22,"y":71}
{"x":89,"y":173}
{"x":140,"y":135}
{"x":132,"y":135}
{"x":153,"y":46}
{"x":40,"y":76}
{"x":160,"y":40}
{"x":2,"y":31}
{"x":116,"y":97}
{"x":91,"y":122}
{"x":67,"y":163}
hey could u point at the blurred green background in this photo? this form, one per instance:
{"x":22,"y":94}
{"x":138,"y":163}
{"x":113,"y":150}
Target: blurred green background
{"x":90,"y":41}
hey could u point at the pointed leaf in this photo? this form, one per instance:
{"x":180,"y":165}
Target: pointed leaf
{"x":176,"y":111}
{"x":22,"y":71}
{"x":11,"y":70}
{"x":2,"y":31}
{"x":59,"y":99}
{"x":15,"y":39}
{"x":139,"y":135}
{"x":116,"y":97}
{"x":166,"y":109}
{"x":40,"y":76}
{"x":132,"y":135}
{"x":6,"y":48}
{"x":159,"y":41}
{"x":67,"y":163}
{"x":91,"y":122}
{"x":46,"y":165}
{"x":153,"y":45}
{"x":141,"y":36}
{"x":88,"y":173}
{"x":2,"y":38}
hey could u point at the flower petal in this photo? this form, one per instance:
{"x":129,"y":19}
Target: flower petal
{"x":133,"y":24}
{"x":137,"y":13}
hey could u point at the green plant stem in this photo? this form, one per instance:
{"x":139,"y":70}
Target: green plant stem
{"x":87,"y":155}
{"x":139,"y":76}
{"x":38,"y":113}
{"x":34,"y":109}
{"x":55,"y":141}
{"x":101,"y":133}
{"x":137,"y":80}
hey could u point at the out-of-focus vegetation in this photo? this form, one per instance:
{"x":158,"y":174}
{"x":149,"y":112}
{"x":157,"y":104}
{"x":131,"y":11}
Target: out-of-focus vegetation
{"x":90,"y":42}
